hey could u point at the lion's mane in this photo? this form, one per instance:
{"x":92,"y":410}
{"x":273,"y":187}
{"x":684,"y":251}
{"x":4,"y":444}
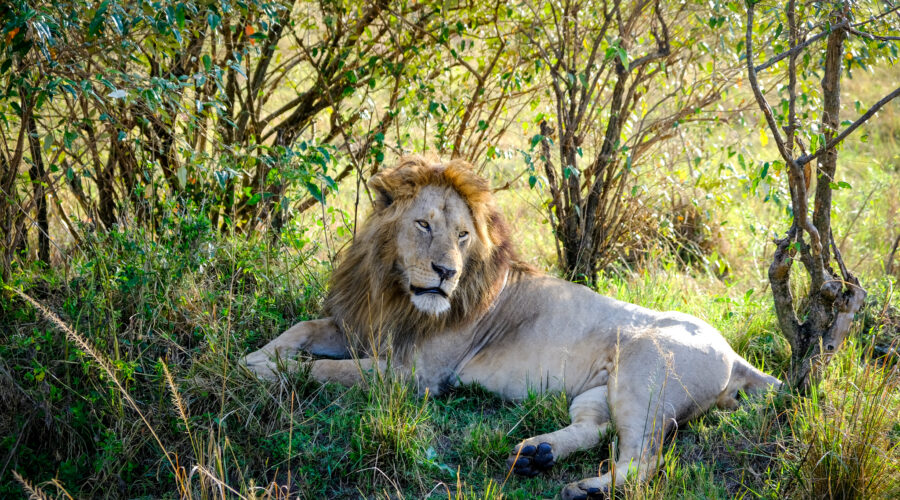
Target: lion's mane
{"x":366,"y":297}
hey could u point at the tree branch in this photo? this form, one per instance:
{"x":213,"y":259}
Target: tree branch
{"x":870,"y":36}
{"x":798,"y":194}
{"x":850,"y":128}
{"x":797,"y":49}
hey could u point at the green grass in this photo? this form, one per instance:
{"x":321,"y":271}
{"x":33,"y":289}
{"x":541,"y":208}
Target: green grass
{"x":192,"y":305}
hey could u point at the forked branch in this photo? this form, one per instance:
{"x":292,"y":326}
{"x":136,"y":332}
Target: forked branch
{"x":797,"y":180}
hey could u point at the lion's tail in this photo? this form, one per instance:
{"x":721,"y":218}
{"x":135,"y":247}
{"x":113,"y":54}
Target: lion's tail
{"x":753,"y":379}
{"x":747,"y":378}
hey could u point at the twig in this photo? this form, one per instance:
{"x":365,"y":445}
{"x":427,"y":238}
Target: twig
{"x":870,"y":36}
{"x":890,"y":259}
{"x":798,"y":48}
{"x":754,"y":85}
{"x":850,"y":128}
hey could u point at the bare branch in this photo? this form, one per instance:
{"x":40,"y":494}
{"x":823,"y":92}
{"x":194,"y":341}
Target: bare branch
{"x":850,"y":128}
{"x":797,"y":49}
{"x":757,"y":93}
{"x":870,"y":36}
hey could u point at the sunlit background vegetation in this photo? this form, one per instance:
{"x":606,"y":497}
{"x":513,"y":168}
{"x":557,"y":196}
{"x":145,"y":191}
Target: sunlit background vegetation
{"x":177,"y":180}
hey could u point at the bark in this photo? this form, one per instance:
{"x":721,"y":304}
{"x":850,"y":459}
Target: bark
{"x":834,"y":298}
{"x":889,"y":266}
{"x":11,"y":220}
{"x":38,"y":176}
{"x":831,"y":95}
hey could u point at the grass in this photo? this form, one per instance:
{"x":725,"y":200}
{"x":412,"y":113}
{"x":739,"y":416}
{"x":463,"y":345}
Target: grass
{"x":138,"y":394}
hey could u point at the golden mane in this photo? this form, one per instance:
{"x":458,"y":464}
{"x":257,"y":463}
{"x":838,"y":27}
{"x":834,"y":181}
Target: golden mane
{"x":366,"y":298}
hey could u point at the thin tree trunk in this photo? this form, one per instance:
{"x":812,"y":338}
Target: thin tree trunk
{"x":38,"y":180}
{"x":10,"y":215}
{"x":889,"y":267}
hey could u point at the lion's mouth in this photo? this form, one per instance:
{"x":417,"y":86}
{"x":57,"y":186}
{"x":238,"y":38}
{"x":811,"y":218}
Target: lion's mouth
{"x":422,"y":291}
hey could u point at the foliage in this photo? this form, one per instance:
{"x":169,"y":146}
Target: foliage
{"x":178,"y":177}
{"x":618,"y":85}
{"x":244,"y":112}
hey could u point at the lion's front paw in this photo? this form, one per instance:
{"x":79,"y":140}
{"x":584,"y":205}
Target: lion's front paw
{"x":582,"y":491}
{"x":260,"y":365}
{"x":530,"y":460}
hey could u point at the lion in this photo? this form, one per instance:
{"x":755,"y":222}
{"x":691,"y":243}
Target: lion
{"x":433,"y":277}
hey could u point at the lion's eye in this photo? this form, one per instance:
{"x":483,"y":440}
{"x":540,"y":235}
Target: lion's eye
{"x":422,"y":224}
{"x":463,"y":235}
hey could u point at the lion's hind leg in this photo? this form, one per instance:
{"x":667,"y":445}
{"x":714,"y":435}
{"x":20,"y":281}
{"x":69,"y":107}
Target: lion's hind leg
{"x":747,"y":378}
{"x":589,"y":412}
{"x":652,"y":388}
{"x":638,"y":456}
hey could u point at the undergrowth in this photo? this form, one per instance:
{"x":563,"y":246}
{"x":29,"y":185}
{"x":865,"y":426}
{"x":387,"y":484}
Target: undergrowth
{"x":136,"y":392}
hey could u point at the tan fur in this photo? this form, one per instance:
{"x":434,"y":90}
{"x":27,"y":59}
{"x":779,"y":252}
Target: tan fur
{"x":504,"y":326}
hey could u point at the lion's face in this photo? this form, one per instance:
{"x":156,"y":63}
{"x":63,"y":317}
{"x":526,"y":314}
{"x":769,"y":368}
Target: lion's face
{"x":434,"y":238}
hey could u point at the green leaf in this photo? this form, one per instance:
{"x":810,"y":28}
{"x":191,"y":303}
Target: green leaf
{"x":222,"y":177}
{"x":315,"y":192}
{"x":213,"y":20}
{"x":182,"y":176}
{"x":179,"y":15}
{"x":97,"y":21}
{"x":623,"y":56}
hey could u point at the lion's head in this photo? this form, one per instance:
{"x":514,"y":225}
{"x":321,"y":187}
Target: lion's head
{"x":433,"y":254}
{"x":434,"y":240}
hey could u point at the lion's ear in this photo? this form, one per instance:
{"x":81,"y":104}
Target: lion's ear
{"x":380,"y":187}
{"x":390,"y":185}
{"x":397,"y":182}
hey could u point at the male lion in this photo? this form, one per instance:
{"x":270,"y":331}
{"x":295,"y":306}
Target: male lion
{"x":432,"y":274}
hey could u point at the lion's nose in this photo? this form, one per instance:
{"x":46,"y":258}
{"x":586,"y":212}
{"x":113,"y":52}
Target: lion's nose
{"x":443,"y":272}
